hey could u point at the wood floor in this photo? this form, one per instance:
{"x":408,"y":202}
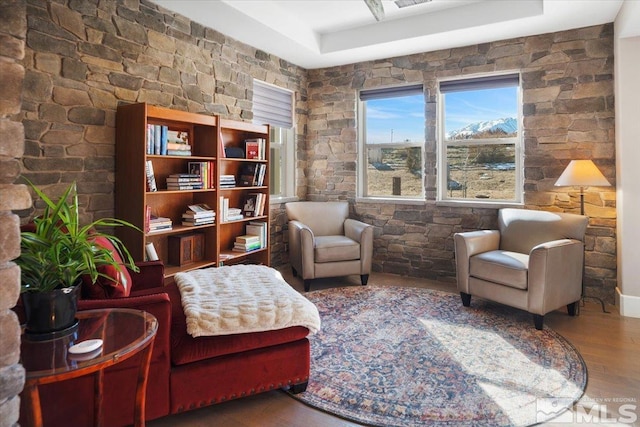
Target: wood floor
{"x":609,"y":344}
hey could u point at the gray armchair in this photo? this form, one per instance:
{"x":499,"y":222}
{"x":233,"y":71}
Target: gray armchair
{"x":325,"y":242}
{"x":534,"y":261}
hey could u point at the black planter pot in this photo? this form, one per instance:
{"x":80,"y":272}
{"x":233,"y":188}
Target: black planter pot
{"x":52,"y":311}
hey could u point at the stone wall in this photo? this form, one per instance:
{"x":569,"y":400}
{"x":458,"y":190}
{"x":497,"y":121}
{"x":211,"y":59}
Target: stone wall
{"x":567,"y":80}
{"x":83,"y":58}
{"x":13,"y":28}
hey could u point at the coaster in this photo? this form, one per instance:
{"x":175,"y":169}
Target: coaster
{"x":85,"y":346}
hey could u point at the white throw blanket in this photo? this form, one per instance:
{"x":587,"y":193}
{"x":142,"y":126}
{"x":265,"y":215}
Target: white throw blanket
{"x":240,"y":299}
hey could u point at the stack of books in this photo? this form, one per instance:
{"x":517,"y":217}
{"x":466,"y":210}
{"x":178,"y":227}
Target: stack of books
{"x":200,"y":214}
{"x":258,"y":228}
{"x":165,"y":142}
{"x":229,"y":214}
{"x":227,"y":181}
{"x":159,"y":223}
{"x":246,"y":243}
{"x":184,"y":181}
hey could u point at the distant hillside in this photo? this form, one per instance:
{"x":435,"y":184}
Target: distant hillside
{"x":507,"y":126}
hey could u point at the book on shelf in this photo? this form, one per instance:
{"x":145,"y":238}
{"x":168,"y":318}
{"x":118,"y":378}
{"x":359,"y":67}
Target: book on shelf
{"x":178,"y":137}
{"x":248,"y":239}
{"x":198,"y":222}
{"x":205,"y":170}
{"x":150,"y":251}
{"x":227,"y":181}
{"x":157,"y":136}
{"x":255,"y":148}
{"x":151,"y":178}
{"x":160,"y":224}
{"x":258,"y":228}
{"x":199,"y":208}
{"x":163,"y":140}
{"x":184,"y":153}
{"x":184,"y":181}
{"x":178,"y":146}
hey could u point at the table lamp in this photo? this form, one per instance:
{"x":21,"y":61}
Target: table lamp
{"x":582,"y":173}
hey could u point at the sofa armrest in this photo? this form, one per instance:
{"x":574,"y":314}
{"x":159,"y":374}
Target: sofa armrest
{"x":151,"y":275}
{"x":469,"y":244}
{"x":301,"y":244}
{"x":362,"y":233}
{"x":555,"y":275}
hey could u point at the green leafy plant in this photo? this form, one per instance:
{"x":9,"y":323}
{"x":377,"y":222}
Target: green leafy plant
{"x":59,"y":252}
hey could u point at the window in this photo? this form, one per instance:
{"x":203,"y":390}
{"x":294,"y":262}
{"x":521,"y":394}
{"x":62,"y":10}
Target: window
{"x":480,"y":149}
{"x":274,"y":106}
{"x":392,"y":139}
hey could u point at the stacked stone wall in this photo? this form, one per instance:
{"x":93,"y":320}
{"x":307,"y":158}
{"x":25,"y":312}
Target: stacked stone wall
{"x":84,"y":58}
{"x":568,"y":113}
{"x":13,"y":28}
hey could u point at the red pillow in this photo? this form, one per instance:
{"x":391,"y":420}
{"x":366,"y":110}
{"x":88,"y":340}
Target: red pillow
{"x":118,"y":284}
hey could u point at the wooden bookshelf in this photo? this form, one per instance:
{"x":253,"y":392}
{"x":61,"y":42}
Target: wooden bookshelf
{"x":132,"y":196}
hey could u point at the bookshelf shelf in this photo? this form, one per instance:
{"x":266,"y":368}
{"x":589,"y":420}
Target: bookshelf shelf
{"x":207,"y":136}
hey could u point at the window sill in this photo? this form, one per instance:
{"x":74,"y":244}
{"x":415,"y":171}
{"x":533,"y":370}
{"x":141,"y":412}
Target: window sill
{"x":477,"y":204}
{"x":280,"y":200}
{"x":397,"y":201}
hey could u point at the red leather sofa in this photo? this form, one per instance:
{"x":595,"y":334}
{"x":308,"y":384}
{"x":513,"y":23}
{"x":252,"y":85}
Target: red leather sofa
{"x":185,"y":372}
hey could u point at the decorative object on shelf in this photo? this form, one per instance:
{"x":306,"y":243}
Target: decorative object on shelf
{"x":186,"y":248}
{"x":583,"y":173}
{"x":234,"y":153}
{"x":57,"y":254}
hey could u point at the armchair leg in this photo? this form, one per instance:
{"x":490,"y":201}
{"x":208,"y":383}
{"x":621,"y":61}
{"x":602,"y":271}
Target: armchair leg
{"x":294,"y":272}
{"x":364,"y":278}
{"x":307,"y":285}
{"x":538,"y":320}
{"x":466,"y":299}
{"x":572,"y":308}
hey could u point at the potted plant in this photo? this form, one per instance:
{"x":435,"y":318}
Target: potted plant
{"x":56,"y":253}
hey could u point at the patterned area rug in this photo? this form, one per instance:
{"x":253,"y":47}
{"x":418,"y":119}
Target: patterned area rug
{"x":388,"y":356}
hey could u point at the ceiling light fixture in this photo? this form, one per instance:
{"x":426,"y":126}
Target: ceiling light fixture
{"x":376,"y":8}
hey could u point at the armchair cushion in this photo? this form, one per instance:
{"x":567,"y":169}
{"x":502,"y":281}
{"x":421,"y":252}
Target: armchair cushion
{"x":335,"y":248}
{"x":503,"y":267}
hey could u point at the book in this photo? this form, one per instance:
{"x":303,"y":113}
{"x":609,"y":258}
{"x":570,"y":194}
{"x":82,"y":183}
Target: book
{"x":184,"y":153}
{"x":248,"y":239}
{"x":177,"y":136}
{"x":163,"y":139}
{"x":200,"y":208}
{"x":178,"y":146}
{"x":260,"y":229}
{"x":157,"y":135}
{"x":188,"y":223}
{"x":151,"y":178}
{"x":251,"y":149}
{"x":150,"y":250}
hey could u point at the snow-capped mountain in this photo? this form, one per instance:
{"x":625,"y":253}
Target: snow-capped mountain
{"x":509,"y":125}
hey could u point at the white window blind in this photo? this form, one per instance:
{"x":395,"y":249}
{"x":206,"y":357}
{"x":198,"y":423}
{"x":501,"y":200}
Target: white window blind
{"x":272,"y":105}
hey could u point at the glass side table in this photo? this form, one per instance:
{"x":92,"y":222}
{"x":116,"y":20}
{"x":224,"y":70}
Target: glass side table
{"x":124,"y":333}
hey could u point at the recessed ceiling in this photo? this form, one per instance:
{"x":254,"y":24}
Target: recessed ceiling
{"x":323,"y":33}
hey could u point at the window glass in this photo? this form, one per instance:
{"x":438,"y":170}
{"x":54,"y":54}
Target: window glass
{"x":392,"y":137}
{"x":480,"y":141}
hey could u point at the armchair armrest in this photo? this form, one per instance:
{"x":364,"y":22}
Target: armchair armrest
{"x":362,"y":233}
{"x":301,"y":244}
{"x":151,"y":275}
{"x":555,"y":275}
{"x":469,"y":244}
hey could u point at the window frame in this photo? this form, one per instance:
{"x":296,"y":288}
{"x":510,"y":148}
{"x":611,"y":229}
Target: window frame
{"x":442,"y":144}
{"x":280,"y":122}
{"x":362,"y":177}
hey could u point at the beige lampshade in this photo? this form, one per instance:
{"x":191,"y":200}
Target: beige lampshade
{"x":582,"y":173}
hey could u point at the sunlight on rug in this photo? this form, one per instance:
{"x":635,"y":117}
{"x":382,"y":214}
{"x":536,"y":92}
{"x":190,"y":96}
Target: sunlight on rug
{"x":388,"y":356}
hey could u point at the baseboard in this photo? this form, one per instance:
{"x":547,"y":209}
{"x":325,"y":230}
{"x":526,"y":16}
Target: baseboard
{"x":629,"y":304}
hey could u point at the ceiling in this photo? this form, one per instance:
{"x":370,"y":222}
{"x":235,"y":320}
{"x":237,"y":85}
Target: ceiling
{"x":323,"y":33}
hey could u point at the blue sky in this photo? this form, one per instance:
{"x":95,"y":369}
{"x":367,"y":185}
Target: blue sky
{"x":404,"y":117}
